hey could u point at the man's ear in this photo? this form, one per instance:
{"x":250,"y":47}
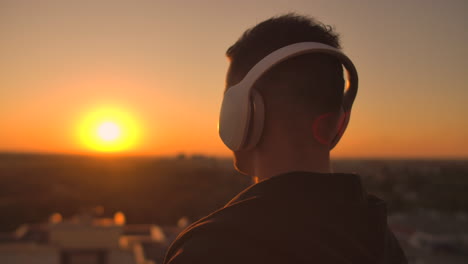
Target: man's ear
{"x":326,"y":126}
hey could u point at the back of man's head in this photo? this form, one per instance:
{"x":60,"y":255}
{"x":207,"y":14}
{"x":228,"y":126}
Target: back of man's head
{"x":296,"y":92}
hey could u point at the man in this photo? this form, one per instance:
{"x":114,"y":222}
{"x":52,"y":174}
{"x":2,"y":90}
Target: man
{"x":297,"y":211}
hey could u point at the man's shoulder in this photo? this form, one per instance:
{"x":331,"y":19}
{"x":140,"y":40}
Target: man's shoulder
{"x":222,"y":237}
{"x":232,"y":218}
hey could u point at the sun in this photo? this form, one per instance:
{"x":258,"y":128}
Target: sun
{"x":109,"y":130}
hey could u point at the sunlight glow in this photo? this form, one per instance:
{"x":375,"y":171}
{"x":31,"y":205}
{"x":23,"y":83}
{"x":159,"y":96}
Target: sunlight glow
{"x":109,"y":130}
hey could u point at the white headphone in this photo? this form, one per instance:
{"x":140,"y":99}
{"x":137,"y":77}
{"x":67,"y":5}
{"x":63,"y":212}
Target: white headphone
{"x":242,"y":104}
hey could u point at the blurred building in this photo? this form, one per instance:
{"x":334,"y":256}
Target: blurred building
{"x":86,"y":239}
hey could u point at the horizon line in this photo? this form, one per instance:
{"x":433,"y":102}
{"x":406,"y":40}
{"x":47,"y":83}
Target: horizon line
{"x":191,"y":155}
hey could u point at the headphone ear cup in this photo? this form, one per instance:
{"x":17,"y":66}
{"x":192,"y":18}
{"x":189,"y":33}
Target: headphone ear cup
{"x":257,"y":120}
{"x":342,"y":124}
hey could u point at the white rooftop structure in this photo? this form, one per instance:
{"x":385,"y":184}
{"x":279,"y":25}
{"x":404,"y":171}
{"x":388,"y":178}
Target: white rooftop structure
{"x":86,"y":240}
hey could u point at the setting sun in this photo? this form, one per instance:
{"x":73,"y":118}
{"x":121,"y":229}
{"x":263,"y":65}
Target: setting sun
{"x":109,"y":130}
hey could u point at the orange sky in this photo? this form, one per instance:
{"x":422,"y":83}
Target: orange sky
{"x":164,"y":64}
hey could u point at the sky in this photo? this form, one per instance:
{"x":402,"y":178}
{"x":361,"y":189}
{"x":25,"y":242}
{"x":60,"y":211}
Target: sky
{"x":162,"y":63}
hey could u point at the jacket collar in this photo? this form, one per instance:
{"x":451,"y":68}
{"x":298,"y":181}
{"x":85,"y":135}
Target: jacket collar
{"x":334,"y":187}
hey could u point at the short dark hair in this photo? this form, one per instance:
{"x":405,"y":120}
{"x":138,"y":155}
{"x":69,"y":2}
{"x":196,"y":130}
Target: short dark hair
{"x":314,"y":79}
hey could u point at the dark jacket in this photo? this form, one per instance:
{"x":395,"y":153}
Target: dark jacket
{"x":297,"y":217}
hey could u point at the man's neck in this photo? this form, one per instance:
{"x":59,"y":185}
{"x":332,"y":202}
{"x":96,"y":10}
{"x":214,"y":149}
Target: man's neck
{"x":267,"y":166}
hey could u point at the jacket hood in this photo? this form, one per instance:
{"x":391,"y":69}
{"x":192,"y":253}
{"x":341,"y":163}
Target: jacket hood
{"x":312,"y":212}
{"x":298,"y":217}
